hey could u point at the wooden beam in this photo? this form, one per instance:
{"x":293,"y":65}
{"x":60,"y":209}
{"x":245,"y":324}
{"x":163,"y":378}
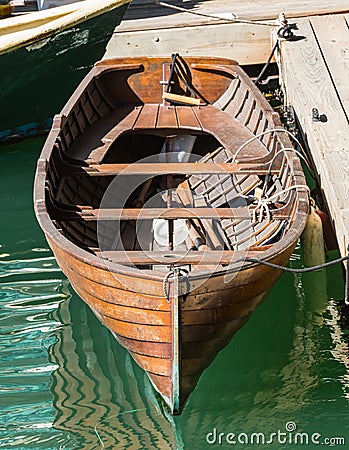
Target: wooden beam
{"x":246,"y":44}
{"x":332,"y":36}
{"x":175,"y":169}
{"x":144,"y":14}
{"x":117,"y":214}
{"x":174,"y":257}
{"x":149,"y":29}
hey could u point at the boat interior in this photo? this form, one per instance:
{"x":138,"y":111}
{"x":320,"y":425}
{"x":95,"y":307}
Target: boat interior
{"x":164,"y":162}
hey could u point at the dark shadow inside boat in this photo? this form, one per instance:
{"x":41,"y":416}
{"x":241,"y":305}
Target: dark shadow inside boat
{"x":134,"y":146}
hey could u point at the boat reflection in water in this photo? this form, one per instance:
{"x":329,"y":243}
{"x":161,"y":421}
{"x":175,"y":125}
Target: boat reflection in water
{"x":102,"y":398}
{"x":97,"y":386}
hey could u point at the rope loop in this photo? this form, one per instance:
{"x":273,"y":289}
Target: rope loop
{"x":286,"y":32}
{"x":181,"y":274}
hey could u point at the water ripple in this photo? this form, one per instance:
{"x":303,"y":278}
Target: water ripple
{"x":28,"y":327}
{"x":28,"y":266}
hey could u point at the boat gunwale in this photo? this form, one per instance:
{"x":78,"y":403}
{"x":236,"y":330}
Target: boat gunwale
{"x":93,"y":260}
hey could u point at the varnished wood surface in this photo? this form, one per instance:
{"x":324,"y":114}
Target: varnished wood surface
{"x":115,"y":119}
{"x":204,"y":331}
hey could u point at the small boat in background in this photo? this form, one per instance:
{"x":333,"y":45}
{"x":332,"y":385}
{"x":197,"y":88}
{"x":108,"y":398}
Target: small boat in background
{"x":162,"y":188}
{"x":43,"y":57}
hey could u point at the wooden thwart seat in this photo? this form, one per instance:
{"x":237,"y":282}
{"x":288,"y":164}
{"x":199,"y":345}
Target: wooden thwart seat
{"x":163,"y":257}
{"x":159,"y":117}
{"x":116,"y":214}
{"x":175,"y":169}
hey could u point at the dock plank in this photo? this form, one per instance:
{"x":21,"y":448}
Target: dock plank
{"x":144,"y":14}
{"x":150,"y":29}
{"x":313,"y":77}
{"x":246,"y":44}
{"x":332,"y":35}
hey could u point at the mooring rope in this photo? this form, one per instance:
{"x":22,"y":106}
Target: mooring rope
{"x":184,"y":273}
{"x":302,"y":270}
{"x":310,"y":269}
{"x":267,"y":64}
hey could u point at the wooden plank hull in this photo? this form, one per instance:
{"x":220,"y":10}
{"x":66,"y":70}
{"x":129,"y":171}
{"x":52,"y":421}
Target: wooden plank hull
{"x":141,"y":321}
{"x":172,"y":305}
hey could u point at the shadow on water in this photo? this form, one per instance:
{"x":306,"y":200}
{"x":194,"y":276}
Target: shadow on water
{"x":65,"y":383}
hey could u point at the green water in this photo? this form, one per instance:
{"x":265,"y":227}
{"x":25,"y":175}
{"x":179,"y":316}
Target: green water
{"x":66,"y":384}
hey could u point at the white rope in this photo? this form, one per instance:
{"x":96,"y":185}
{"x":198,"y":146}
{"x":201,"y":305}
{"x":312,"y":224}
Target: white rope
{"x":271,"y":130}
{"x":283,"y":191}
{"x":263,"y":203}
{"x":287,"y":149}
{"x":235,"y":19}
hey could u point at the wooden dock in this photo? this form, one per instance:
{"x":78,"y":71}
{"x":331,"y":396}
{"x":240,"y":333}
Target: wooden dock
{"x":152,"y":29}
{"x":315,"y":75}
{"x":314,"y":69}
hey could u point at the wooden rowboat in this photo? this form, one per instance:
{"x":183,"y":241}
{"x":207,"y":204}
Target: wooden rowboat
{"x":163,"y":186}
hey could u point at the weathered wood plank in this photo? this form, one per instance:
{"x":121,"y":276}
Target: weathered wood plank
{"x":149,"y":29}
{"x":115,"y":214}
{"x":147,"y":117}
{"x":186,"y":117}
{"x":192,"y":257}
{"x":332,"y":34}
{"x":245,"y":43}
{"x":153,"y":16}
{"x":309,"y":73}
{"x":167,"y":117}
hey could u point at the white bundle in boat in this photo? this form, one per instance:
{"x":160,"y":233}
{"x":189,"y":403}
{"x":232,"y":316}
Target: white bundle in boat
{"x":180,"y":148}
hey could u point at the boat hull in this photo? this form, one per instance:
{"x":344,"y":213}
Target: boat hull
{"x":172,"y":307}
{"x":38,"y":79}
{"x":141,"y":316}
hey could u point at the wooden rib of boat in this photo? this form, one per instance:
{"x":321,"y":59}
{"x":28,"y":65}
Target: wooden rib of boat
{"x":160,"y":185}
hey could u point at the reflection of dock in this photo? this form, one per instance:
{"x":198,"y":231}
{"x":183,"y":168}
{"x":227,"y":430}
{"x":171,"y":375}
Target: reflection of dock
{"x":151,"y":29}
{"x":315,"y":70}
{"x":97,"y":388}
